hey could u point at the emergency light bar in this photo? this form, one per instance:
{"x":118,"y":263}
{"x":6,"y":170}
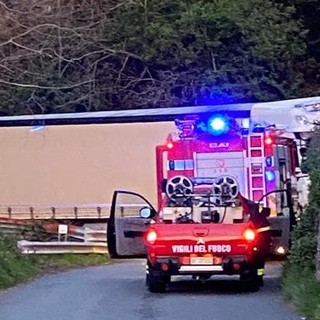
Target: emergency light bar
{"x":212,"y":124}
{"x":216,"y":124}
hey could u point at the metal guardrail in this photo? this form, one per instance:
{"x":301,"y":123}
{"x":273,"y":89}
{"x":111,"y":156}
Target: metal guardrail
{"x":86,"y":211}
{"x":93,"y":234}
{"x":30,"y":247}
{"x":11,"y":228}
{"x":62,"y":212}
{"x":89,"y":233}
{"x":96,"y":232}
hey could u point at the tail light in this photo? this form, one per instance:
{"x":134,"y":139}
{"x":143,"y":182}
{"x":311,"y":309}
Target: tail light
{"x":151,"y":236}
{"x":249,"y":234}
{"x":169,"y":145}
{"x":268,"y":141}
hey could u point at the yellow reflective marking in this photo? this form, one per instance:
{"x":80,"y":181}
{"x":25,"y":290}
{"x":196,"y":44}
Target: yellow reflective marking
{"x":263,"y":229}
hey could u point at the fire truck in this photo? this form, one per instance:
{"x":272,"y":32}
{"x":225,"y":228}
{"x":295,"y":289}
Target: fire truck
{"x":225,"y":166}
{"x":227,"y":198}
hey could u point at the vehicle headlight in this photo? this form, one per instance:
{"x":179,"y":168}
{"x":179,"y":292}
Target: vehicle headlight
{"x":281,"y":250}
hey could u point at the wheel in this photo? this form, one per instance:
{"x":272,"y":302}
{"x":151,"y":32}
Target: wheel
{"x":155,"y":284}
{"x":251,"y":282}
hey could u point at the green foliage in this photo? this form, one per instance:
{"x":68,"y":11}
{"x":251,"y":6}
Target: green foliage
{"x":304,"y":246}
{"x":211,"y":52}
{"x":302,"y":289}
{"x":57,"y":261}
{"x":313,"y":163}
{"x":16,"y":267}
{"x":308,"y":11}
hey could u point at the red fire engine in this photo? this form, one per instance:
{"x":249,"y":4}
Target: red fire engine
{"x":221,"y":160}
{"x":226,"y":198}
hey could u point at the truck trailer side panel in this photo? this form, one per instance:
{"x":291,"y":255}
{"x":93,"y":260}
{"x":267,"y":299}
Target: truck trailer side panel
{"x":78,"y":164}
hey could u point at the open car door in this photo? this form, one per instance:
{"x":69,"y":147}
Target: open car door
{"x":126,"y":227}
{"x":282,"y":219}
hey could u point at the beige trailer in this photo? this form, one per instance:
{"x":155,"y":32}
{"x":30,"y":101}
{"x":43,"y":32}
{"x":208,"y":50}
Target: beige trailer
{"x":60,"y":168}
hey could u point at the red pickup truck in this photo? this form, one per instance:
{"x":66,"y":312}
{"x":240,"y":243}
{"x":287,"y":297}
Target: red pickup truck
{"x":186,"y":245}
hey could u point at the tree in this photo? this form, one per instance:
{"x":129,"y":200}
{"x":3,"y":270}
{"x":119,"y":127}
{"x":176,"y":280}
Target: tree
{"x":306,"y":236}
{"x":86,"y":55}
{"x":308,"y":12}
{"x":313,"y":162}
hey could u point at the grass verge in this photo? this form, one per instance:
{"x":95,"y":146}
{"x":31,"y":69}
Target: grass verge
{"x":301,"y":288}
{"x":16,"y":267}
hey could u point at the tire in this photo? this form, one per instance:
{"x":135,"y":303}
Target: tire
{"x":251,"y":282}
{"x":261,"y":282}
{"x":155,"y":284}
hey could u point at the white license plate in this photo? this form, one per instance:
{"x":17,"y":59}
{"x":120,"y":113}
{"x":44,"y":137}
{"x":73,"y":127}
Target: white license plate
{"x":201,"y":260}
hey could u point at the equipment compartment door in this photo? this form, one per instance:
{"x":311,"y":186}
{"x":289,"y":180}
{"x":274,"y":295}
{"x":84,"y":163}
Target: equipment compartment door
{"x":213,"y":165}
{"x":125,"y":227}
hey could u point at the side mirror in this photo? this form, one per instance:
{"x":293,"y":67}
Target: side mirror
{"x":146,"y":213}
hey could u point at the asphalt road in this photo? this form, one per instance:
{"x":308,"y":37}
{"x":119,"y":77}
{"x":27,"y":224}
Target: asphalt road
{"x":117,"y":291}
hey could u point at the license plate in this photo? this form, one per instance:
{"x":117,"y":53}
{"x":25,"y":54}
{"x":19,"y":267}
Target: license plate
{"x":217,"y":260}
{"x":201,"y":260}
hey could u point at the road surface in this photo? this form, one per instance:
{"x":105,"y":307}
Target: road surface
{"x":117,"y":291}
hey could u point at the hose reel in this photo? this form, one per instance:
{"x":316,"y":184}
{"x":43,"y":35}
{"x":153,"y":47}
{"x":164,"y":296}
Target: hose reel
{"x":179,"y":189}
{"x":225,"y":189}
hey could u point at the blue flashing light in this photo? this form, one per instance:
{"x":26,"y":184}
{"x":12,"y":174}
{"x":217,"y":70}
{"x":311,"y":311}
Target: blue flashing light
{"x":268,"y":161}
{"x":218,"y":125}
{"x":171,"y":165}
{"x":270,"y":175}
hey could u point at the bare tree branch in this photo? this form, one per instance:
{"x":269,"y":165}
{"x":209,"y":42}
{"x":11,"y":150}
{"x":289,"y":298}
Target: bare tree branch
{"x":23,"y":34}
{"x":34,"y":86}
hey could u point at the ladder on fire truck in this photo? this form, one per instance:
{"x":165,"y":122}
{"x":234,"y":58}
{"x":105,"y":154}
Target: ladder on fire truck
{"x":256,"y":172}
